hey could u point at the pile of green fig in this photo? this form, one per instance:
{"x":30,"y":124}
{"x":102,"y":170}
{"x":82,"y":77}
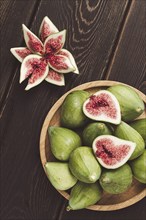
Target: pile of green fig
{"x":100,"y":145}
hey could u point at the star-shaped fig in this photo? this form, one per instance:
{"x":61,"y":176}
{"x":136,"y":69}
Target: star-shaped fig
{"x":44,"y":59}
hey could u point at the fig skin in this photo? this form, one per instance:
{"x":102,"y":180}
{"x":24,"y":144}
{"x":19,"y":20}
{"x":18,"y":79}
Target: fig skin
{"x":63,"y":141}
{"x":140,"y":126}
{"x":83,"y":195}
{"x":59,"y":175}
{"x":93,"y":130}
{"x":84,"y":165}
{"x":116,"y":181}
{"x":126,"y":132}
{"x":72,"y":115}
{"x":131,"y":104}
{"x":138,"y":167}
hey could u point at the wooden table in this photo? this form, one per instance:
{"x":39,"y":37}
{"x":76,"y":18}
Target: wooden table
{"x":107,"y":39}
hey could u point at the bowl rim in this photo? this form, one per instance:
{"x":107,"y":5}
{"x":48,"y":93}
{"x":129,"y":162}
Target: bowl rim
{"x":50,"y":114}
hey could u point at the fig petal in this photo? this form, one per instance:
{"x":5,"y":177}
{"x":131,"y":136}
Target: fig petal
{"x":61,"y":64}
{"x":20,"y":52}
{"x":54,"y":43}
{"x":47,"y":28}
{"x":38,"y":69}
{"x":32,"y":41}
{"x":66,"y":53}
{"x":55,"y":78}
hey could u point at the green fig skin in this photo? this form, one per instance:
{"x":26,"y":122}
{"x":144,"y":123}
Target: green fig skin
{"x":116,"y":181}
{"x":126,"y":132}
{"x":140,"y":126}
{"x":131,"y":104}
{"x":72,"y":115}
{"x":59,"y":175}
{"x":63,"y":141}
{"x":93,"y":130}
{"x":84,"y":166}
{"x":83,"y":195}
{"x":138,"y":167}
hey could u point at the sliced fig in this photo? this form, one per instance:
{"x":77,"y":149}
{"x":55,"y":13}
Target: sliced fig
{"x":36,"y":67}
{"x":61,"y":64}
{"x":32,"y":41}
{"x":66,"y":53}
{"x":103,"y":106}
{"x":112,"y":152}
{"x":55,"y":78}
{"x":20,"y":52}
{"x":54,"y":43}
{"x":47,"y":28}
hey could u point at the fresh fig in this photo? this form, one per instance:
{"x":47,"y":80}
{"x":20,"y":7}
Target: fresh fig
{"x":72,"y":115}
{"x":83,"y":165}
{"x":116,"y":181}
{"x":93,"y":130}
{"x":130,"y":103}
{"x":103,"y":106}
{"x":126,"y":132}
{"x":139,"y":167}
{"x":63,"y":141}
{"x":59,"y":175}
{"x":112,"y":152}
{"x":140,"y":126}
{"x":83,"y":195}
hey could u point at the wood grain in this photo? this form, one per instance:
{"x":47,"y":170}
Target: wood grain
{"x":129,"y":57}
{"x":13,"y":14}
{"x":91,"y":33}
{"x":93,"y":30}
{"x":108,"y":202}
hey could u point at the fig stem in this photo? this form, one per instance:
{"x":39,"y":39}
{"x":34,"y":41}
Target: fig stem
{"x":138,"y":109}
{"x":68,"y":208}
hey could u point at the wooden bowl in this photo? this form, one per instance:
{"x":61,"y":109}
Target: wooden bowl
{"x":108,"y":202}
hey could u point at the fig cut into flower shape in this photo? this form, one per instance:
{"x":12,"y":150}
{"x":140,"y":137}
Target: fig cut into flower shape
{"x":44,"y":59}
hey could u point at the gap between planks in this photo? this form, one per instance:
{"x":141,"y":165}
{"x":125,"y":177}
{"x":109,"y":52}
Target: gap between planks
{"x":119,"y":38}
{"x":5,"y":96}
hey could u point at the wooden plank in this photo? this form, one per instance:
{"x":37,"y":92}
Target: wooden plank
{"x":13,"y":14}
{"x":92,"y":31}
{"x":128,"y":62}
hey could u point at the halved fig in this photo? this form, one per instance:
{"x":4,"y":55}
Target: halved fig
{"x":112,"y":152}
{"x":47,"y":28}
{"x":60,"y":64}
{"x":66,"y":53}
{"x":20,"y":52}
{"x":35,"y":66}
{"x":55,"y":78}
{"x":54,"y":43}
{"x":103,"y":106}
{"x":32,"y":41}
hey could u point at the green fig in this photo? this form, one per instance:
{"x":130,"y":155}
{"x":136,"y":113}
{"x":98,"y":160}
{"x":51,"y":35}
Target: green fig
{"x":139,"y":167}
{"x":116,"y":181}
{"x":83,"y":195}
{"x":72,"y":115}
{"x":130,"y":103}
{"x":126,"y":132}
{"x":83,"y":165}
{"x":59,"y":175}
{"x":93,"y":130}
{"x":63,"y":141}
{"x":140,"y":126}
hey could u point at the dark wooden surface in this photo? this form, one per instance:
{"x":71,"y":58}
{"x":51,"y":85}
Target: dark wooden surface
{"x":107,"y":39}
